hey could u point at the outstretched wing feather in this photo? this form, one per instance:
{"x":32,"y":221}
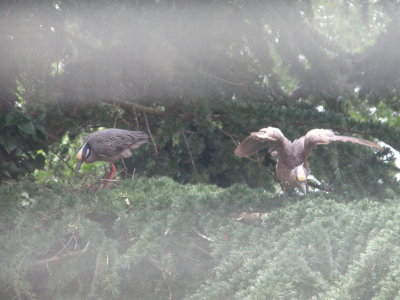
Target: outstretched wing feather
{"x":342,"y":138}
{"x":249,"y":146}
{"x":325,"y":136}
{"x":259,"y":140}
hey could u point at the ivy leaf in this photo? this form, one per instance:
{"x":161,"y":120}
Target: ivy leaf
{"x":6,"y":173}
{"x":13,"y":118}
{"x":27,"y":128}
{"x":175,"y":139}
{"x":34,"y":163}
{"x":8,"y":143}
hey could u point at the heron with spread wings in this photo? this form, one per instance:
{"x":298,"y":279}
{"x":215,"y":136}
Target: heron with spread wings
{"x":292,"y":166}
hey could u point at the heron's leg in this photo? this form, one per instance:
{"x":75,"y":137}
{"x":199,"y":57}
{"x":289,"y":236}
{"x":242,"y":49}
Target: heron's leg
{"x":283,"y":186}
{"x":110,"y":174}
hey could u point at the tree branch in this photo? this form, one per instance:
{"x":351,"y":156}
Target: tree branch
{"x":137,"y":107}
{"x":203,"y":236}
{"x":44,"y":262}
{"x":151,"y":135}
{"x":95,"y":273}
{"x":190,"y":152}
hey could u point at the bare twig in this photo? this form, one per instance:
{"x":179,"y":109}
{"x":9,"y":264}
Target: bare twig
{"x":16,"y":291}
{"x":163,"y":272}
{"x":203,"y":251}
{"x":18,"y":270}
{"x":169,"y":289}
{"x":203,"y":236}
{"x":136,"y":118}
{"x":137,"y":107}
{"x":106,"y":262}
{"x":109,"y":180}
{"x":189,"y":131}
{"x":66,"y":163}
{"x":57,"y":258}
{"x":66,"y":245}
{"x":226,"y":81}
{"x":151,"y":136}
{"x":248,"y":217}
{"x":271,"y":173}
{"x":125,"y":168}
{"x":322,"y":187}
{"x":234,"y":140}
{"x":190,"y":152}
{"x":95,"y":273}
{"x":76,"y":242}
{"x":22,"y":260}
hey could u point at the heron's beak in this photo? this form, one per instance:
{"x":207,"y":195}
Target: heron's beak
{"x":78,"y":166}
{"x":79,"y":161}
{"x":79,"y":155}
{"x":303,"y":187}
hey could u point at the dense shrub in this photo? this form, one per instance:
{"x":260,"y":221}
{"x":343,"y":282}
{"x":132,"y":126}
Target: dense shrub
{"x":156,"y":239}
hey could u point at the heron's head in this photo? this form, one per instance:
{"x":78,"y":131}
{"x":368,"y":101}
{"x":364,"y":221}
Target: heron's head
{"x":300,"y":173}
{"x":269,"y":133}
{"x":82,"y":156}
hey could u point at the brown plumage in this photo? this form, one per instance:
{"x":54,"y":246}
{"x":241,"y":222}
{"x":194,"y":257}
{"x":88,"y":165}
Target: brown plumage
{"x":292,"y":166}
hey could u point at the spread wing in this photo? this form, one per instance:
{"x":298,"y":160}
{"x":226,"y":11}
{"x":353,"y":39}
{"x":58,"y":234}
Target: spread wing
{"x":259,"y":140}
{"x":325,"y":136}
{"x":112,"y":141}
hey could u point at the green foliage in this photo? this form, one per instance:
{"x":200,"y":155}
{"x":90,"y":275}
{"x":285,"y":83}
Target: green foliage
{"x":200,"y":150}
{"x":156,"y":239}
{"x":197,"y":77}
{"x":60,"y":162}
{"x":156,"y":66}
{"x":20,"y":137}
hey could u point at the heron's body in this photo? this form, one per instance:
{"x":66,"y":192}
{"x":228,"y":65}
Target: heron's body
{"x":292,"y":166}
{"x":110,"y":145}
{"x":290,"y":156}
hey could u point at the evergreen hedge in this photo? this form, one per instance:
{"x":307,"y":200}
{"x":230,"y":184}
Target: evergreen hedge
{"x":157,"y":239}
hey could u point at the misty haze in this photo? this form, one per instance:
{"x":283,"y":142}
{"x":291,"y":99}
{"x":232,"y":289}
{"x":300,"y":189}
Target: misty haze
{"x":199,"y":149}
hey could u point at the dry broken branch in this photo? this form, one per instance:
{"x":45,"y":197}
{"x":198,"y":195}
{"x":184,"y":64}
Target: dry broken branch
{"x":45,"y":262}
{"x":137,"y":107}
{"x":248,"y":217}
{"x":203,"y":236}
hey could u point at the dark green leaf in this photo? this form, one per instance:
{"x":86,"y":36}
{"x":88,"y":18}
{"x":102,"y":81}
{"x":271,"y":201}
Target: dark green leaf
{"x":8,"y":143}
{"x":13,"y":118}
{"x":6,"y":173}
{"x":27,"y":128}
